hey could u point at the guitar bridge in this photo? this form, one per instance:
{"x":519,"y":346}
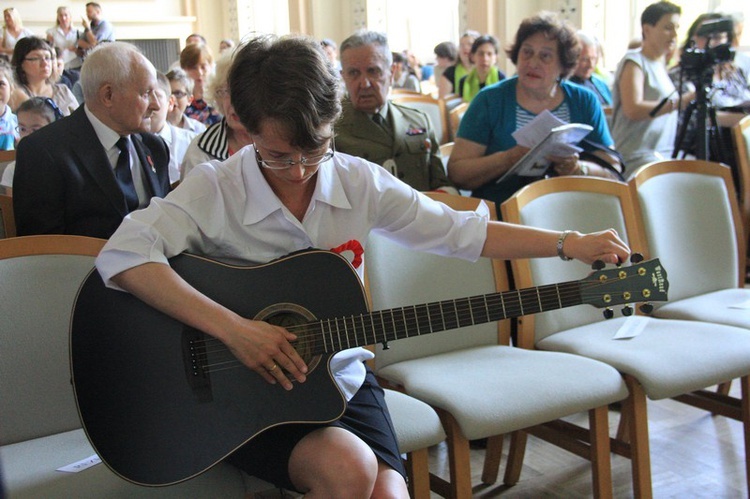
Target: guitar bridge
{"x":195,"y":360}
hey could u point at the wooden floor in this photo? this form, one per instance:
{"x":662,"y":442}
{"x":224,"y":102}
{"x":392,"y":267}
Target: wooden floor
{"x":693,"y":455}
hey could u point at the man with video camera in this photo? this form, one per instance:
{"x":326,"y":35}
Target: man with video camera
{"x":721,"y":88}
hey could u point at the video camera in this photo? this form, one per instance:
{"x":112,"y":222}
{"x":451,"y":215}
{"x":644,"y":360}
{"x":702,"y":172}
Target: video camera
{"x":696,"y":60}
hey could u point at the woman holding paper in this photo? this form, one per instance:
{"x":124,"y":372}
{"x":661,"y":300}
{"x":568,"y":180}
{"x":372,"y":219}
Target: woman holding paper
{"x":545,"y":52}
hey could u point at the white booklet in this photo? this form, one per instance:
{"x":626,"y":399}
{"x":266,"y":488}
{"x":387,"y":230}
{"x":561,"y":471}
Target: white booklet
{"x":546,"y":136}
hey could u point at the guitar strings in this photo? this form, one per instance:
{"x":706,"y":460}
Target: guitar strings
{"x":310,"y":335}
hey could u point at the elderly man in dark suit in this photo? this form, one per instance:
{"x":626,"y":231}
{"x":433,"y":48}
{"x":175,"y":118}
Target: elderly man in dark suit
{"x":396,"y":137}
{"x":84,"y":173}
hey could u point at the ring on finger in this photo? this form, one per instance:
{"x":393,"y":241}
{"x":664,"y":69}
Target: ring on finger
{"x":272,"y":368}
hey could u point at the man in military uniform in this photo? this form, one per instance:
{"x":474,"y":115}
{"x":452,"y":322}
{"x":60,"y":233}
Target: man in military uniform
{"x":396,"y":137}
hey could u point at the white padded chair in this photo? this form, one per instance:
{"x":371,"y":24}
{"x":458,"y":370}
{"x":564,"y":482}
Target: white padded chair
{"x":691,"y":219}
{"x":480,"y":386}
{"x":668,"y":359}
{"x":41,"y":430}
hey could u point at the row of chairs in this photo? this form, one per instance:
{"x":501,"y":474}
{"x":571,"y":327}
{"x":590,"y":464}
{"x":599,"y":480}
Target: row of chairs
{"x":685,"y":213}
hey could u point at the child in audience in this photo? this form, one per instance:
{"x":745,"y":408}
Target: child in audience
{"x":33,"y":114}
{"x":8,"y":121}
{"x":182,"y":91}
{"x":177,"y":139}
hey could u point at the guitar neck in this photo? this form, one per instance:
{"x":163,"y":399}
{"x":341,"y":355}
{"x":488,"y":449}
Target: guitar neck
{"x":417,"y":320}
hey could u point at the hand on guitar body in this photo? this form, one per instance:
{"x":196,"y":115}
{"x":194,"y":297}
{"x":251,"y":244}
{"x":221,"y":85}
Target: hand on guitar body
{"x":266,"y":349}
{"x":259,"y":345}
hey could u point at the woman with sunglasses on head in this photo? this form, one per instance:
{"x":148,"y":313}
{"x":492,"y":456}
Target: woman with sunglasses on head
{"x":288,"y":192}
{"x":33,"y":61}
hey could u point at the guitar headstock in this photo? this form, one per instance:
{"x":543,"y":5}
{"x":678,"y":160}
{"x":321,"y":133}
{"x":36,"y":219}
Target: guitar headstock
{"x":642,"y":281}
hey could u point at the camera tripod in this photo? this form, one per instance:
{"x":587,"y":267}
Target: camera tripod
{"x":707,"y":143}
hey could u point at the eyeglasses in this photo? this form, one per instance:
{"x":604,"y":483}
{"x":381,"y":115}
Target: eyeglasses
{"x":179,"y":94}
{"x":284,"y":164}
{"x":39,"y":59}
{"x":27,"y":130}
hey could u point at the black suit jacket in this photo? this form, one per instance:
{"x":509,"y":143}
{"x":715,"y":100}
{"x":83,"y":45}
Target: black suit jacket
{"x":64,"y":183}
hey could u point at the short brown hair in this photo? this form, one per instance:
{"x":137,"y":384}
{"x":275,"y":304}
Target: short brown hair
{"x":193,"y":54}
{"x":554,"y":28}
{"x":288,"y":80}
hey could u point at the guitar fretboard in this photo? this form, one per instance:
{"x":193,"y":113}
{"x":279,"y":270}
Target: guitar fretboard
{"x":383,"y":326}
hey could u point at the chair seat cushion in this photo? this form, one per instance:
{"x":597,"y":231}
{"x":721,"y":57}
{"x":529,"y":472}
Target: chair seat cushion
{"x":417,"y":424}
{"x":669,"y":357}
{"x":29,"y":471}
{"x":518,"y":388}
{"x":710,"y":307}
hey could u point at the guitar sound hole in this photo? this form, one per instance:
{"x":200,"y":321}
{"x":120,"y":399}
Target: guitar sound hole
{"x":294,"y":318}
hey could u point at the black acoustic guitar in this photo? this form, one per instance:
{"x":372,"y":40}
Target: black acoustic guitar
{"x":162,"y":402}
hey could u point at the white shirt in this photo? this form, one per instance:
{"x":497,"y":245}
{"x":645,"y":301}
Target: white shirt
{"x":228,"y":211}
{"x":108,"y":139}
{"x":178,"y":140}
{"x":63,"y":41}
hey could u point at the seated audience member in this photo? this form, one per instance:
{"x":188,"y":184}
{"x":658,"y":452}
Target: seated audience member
{"x":225,"y":44}
{"x":33,"y":114}
{"x":33,"y":60}
{"x":402,"y":77}
{"x":96,"y":30}
{"x":196,"y":60}
{"x":59,"y":73}
{"x":448,"y":84}
{"x":445,"y":57}
{"x":290,"y":191}
{"x":63,"y":37}
{"x":485,"y":72}
{"x":13,"y":31}
{"x":585,"y":71}
{"x":177,"y":139}
{"x":82,"y":174}
{"x":728,"y":90}
{"x":641,"y":83}
{"x":221,"y":139}
{"x":545,"y":52}
{"x":332,"y":52}
{"x":8,"y":120}
{"x":182,"y":91}
{"x":396,"y":137}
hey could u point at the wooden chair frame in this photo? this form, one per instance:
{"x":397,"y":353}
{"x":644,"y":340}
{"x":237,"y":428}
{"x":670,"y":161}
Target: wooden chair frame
{"x":742,"y":157}
{"x":592,"y":445}
{"x":6,"y":210}
{"x":50,"y":245}
{"x":632,"y":440}
{"x":647,"y":172}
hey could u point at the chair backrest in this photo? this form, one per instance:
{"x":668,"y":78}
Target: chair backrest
{"x":691,"y":221}
{"x":585,"y":204}
{"x":433,"y":108}
{"x":455,"y":116}
{"x":6,"y":157}
{"x":40,"y":278}
{"x":397,"y":276}
{"x":741,"y":136}
{"x":7,"y":219}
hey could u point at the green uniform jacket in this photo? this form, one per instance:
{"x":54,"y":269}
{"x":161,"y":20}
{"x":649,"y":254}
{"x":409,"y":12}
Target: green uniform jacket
{"x":412,"y":147}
